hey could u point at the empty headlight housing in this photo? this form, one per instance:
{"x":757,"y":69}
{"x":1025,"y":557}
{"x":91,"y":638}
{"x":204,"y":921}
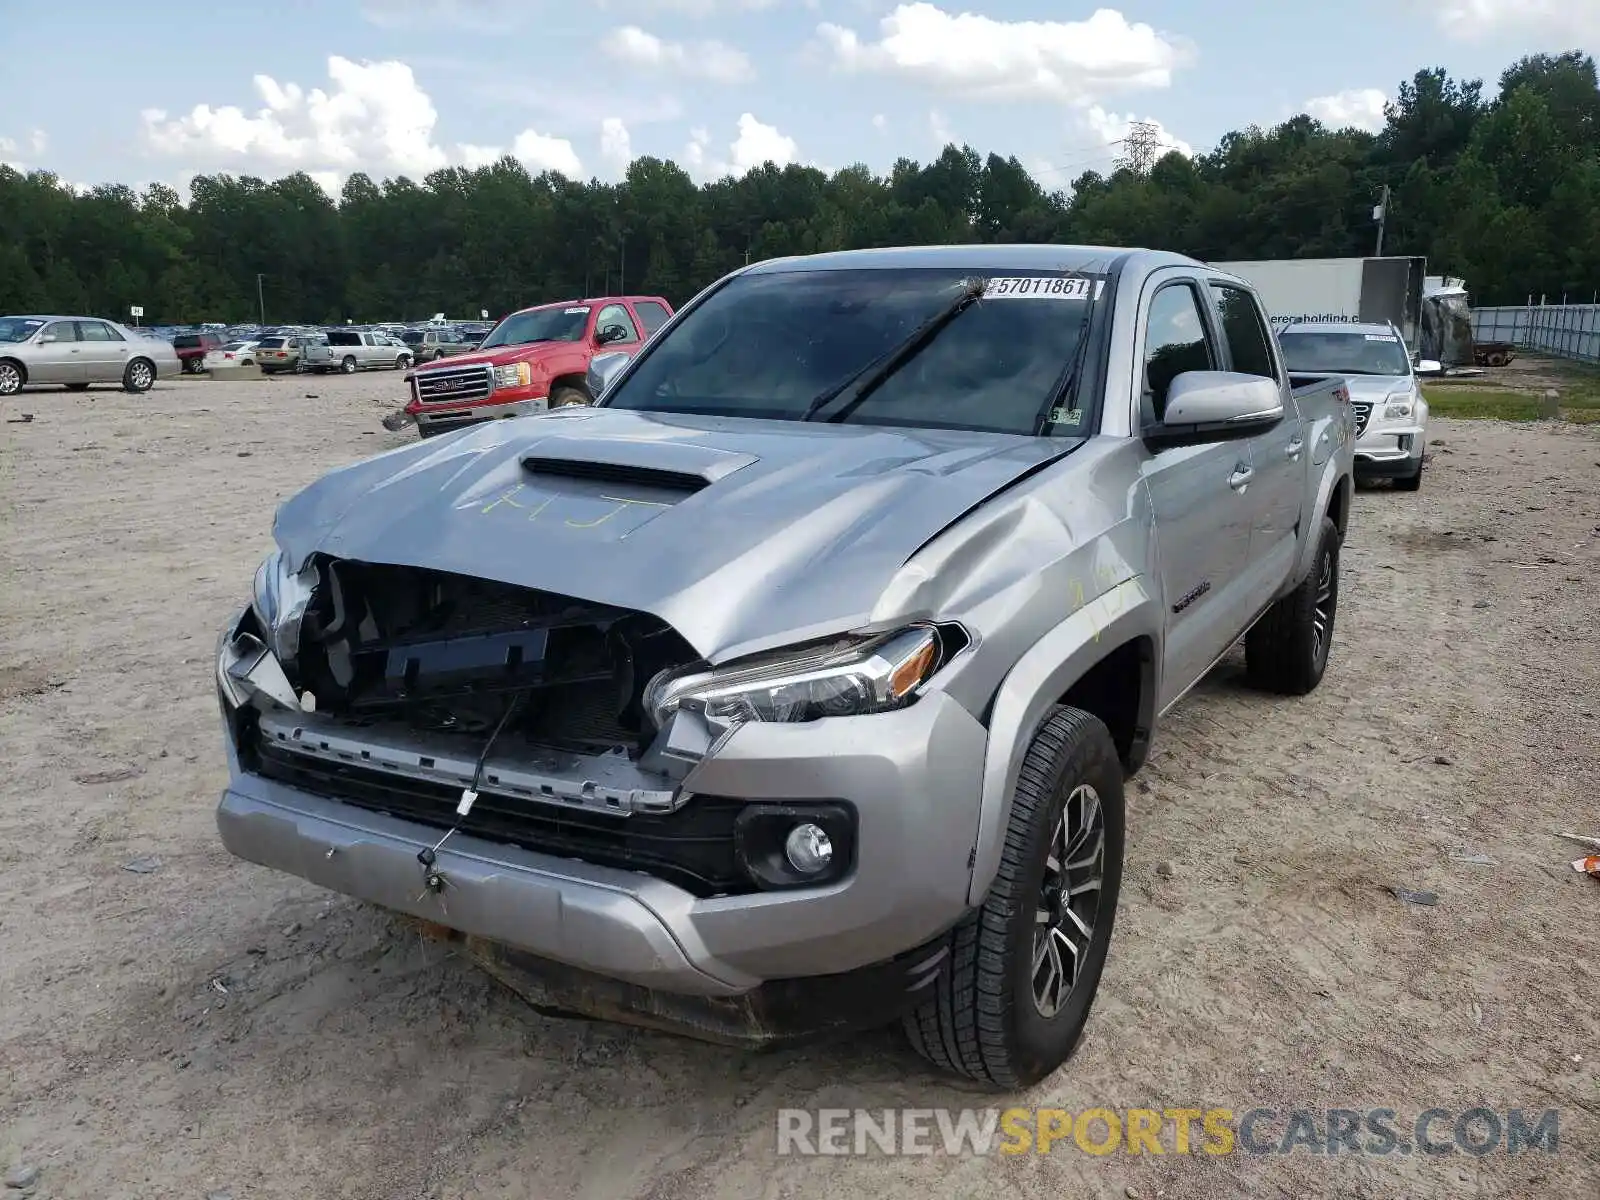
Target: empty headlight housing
{"x":279,"y":599}
{"x":878,"y":675}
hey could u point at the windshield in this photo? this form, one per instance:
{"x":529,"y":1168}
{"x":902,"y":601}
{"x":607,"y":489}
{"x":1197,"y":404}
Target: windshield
{"x":18,"y":329}
{"x":768,"y":345}
{"x":1344,"y":353}
{"x":558,"y":323}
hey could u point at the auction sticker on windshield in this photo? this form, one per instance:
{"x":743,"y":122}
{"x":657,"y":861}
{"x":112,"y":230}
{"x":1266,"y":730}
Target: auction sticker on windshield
{"x":1042,"y":287}
{"x":1382,"y":337}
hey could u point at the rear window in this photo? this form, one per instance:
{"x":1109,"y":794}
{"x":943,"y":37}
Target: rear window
{"x":412,"y":337}
{"x":275,"y":343}
{"x":652,"y":314}
{"x":186,"y":341}
{"x":340,"y":337}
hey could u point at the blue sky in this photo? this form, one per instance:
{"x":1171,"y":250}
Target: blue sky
{"x":105,"y":92}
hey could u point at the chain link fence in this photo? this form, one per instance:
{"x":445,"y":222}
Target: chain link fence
{"x":1565,"y":330}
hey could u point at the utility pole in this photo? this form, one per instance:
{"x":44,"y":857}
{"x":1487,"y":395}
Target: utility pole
{"x":1380,"y":214}
{"x":1141,"y":147}
{"x":261,"y":298}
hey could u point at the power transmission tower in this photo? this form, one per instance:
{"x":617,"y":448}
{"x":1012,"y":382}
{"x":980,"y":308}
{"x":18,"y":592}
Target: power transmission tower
{"x":1140,"y":148}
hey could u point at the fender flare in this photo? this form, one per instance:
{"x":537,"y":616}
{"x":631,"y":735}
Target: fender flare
{"x":1332,"y":477}
{"x":1038,"y":681}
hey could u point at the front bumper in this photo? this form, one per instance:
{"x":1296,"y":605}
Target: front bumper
{"x":1389,"y":449}
{"x":439,"y":418}
{"x":913,"y":776}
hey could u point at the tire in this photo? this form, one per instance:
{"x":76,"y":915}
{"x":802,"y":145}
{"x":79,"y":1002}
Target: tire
{"x":138,"y":376}
{"x":1412,"y":482}
{"x":985,"y":1018}
{"x":77,"y":387}
{"x":1287,"y":650}
{"x":348,"y":365}
{"x":403,"y":363}
{"x":299,"y":367}
{"x":12,"y":377}
{"x":566,"y":395}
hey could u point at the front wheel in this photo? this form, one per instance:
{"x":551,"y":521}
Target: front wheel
{"x":565,"y":396}
{"x":1287,"y":649}
{"x":138,"y":376}
{"x":348,"y":365}
{"x":403,"y":363}
{"x":11,"y":378}
{"x":1025,"y":966}
{"x":1412,"y":482}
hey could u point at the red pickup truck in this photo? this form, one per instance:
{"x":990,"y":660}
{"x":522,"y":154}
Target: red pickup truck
{"x":533,"y":360}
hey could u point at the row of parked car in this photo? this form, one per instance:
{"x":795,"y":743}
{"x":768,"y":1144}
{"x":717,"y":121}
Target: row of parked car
{"x":298,"y":350}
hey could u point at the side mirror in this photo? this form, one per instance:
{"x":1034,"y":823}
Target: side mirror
{"x":47,"y":337}
{"x":603,"y":368}
{"x":1429,"y":366}
{"x":609,"y":334}
{"x":1216,"y":406}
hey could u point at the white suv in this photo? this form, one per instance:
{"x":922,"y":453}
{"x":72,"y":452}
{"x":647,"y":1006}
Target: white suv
{"x":1391,"y":412}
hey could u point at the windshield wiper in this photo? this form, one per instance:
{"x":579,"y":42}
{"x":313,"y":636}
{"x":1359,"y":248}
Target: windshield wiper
{"x":877,"y":372}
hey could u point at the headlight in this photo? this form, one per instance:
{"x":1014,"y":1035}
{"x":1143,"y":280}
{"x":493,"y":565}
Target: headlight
{"x":279,"y":600}
{"x":515,"y":375}
{"x":876,"y":676}
{"x":1397,"y":408}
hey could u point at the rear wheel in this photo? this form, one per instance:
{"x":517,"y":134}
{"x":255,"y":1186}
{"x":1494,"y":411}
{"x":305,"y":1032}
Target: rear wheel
{"x":348,"y":365}
{"x":1287,"y":649}
{"x":139,"y":376}
{"x":1026,"y":965}
{"x":567,"y":395}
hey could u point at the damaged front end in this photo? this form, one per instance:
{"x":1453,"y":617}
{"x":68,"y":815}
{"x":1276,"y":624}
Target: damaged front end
{"x":468,"y":705}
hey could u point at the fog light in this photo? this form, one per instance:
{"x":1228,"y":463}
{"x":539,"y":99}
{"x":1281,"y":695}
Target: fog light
{"x":808,"y":849}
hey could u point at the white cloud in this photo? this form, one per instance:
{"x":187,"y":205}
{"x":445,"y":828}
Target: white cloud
{"x":1358,"y":107}
{"x":943,"y":135}
{"x":374,"y":114}
{"x":984,"y":59}
{"x":1112,"y":127}
{"x":540,"y":152}
{"x":479,"y":156}
{"x":712,"y":60}
{"x":755,"y":145}
{"x":329,"y":181}
{"x":616,"y":146}
{"x":38,"y":140}
{"x":1526,"y":20}
{"x":880,"y":122}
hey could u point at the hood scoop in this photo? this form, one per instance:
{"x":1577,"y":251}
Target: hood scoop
{"x":663,"y":465}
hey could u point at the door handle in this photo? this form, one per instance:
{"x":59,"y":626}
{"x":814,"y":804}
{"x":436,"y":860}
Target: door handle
{"x":1293,"y":448}
{"x":1241,"y":477}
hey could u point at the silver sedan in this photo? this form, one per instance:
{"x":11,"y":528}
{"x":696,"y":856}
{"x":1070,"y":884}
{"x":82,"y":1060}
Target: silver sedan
{"x":78,"y":351}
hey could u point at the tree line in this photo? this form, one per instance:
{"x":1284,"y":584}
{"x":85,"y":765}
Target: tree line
{"x":1502,"y":191}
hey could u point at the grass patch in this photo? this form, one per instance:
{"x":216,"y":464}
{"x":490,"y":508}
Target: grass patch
{"x":1577,"y":404}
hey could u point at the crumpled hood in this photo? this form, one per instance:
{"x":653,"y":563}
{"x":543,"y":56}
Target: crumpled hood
{"x":741,"y":534}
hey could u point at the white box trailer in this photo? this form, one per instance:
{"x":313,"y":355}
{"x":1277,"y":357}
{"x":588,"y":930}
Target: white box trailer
{"x":1339,"y":289}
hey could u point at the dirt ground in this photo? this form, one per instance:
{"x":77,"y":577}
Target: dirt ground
{"x":208,"y":1027}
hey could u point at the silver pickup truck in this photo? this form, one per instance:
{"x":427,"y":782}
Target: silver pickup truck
{"x":792,"y":686}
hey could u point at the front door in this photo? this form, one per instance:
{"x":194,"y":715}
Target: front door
{"x":1200,"y":495}
{"x":56,"y":357}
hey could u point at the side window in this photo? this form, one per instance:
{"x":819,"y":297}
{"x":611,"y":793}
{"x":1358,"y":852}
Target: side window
{"x":97,"y":331}
{"x":1246,"y":333}
{"x":58,"y":331}
{"x":1175,"y":341}
{"x":652,"y":315}
{"x":615,"y":314}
